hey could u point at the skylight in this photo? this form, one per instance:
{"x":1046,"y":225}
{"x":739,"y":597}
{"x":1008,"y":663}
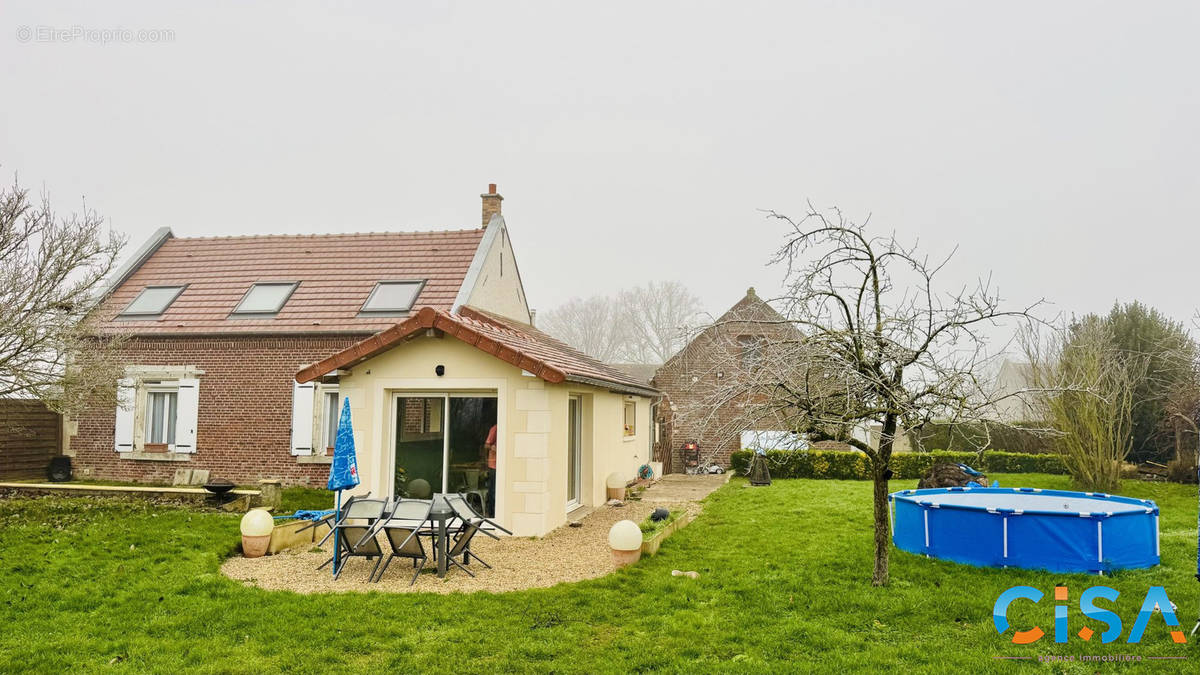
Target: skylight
{"x":265,"y":298}
{"x":152,"y":301}
{"x":393,"y":296}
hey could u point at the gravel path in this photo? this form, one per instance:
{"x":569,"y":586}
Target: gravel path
{"x":566,"y":554}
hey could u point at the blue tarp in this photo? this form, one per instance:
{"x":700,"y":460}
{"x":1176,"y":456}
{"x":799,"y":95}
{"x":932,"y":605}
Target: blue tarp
{"x":304,"y":514}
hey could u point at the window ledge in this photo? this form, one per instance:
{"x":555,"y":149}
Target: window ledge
{"x":157,"y":456}
{"x":314,"y":459}
{"x":626,"y":439}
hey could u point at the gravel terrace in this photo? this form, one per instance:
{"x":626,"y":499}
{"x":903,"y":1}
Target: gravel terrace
{"x":565,"y":555}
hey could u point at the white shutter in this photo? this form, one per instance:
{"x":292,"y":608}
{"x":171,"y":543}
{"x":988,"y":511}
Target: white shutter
{"x":187,"y":414}
{"x":123,"y":432}
{"x":302,"y":417}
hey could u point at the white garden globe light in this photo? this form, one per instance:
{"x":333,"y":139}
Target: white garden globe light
{"x":615,"y":480}
{"x":257,"y":523}
{"x":419,"y":489}
{"x":625,"y":536}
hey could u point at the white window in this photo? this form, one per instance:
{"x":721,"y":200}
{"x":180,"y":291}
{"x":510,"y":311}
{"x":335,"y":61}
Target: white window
{"x":630,"y":418}
{"x":332,"y":415}
{"x":266,"y":298}
{"x":162,"y":413}
{"x":152,"y":301}
{"x":316,"y":411}
{"x":393,"y":296}
{"x":168,"y":410}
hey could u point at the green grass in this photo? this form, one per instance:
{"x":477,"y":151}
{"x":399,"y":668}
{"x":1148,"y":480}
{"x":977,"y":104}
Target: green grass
{"x":90,"y":585}
{"x":651,"y":527}
{"x":304,"y":498}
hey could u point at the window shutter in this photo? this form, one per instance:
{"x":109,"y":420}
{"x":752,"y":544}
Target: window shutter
{"x":187,"y":414}
{"x":302,"y":417}
{"x":123,"y":432}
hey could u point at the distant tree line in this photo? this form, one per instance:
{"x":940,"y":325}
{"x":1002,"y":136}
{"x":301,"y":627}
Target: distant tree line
{"x":642,"y":324}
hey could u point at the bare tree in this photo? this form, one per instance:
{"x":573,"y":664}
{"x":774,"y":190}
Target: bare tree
{"x":591,"y":325}
{"x":643,"y":324}
{"x":882,"y":348}
{"x":1182,"y":407}
{"x":657,"y":318}
{"x":1087,"y":387}
{"x":51,"y":268}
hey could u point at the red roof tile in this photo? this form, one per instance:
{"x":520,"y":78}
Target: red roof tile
{"x":336,"y":273}
{"x":519,"y":344}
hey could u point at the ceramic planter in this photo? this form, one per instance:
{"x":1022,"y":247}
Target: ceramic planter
{"x":255,"y":547}
{"x":623,"y":558}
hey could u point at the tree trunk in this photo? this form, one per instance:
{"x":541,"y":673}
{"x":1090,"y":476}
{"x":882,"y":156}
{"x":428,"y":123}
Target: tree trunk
{"x":880,"y":476}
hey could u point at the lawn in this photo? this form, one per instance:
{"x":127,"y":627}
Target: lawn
{"x":110,"y":586}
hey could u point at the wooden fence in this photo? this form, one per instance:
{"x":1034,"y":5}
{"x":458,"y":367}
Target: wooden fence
{"x":30,"y":434}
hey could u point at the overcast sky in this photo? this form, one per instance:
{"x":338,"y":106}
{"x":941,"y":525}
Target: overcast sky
{"x":1055,"y":143}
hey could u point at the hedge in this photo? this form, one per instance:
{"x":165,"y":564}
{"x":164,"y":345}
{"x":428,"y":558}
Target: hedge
{"x":852,"y":465}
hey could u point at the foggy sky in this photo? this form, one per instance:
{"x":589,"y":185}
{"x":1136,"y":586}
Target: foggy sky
{"x":1055,"y":143}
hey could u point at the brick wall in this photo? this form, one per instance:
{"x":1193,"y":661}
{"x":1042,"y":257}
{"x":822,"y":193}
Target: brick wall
{"x":690,"y":378}
{"x":245,"y":410}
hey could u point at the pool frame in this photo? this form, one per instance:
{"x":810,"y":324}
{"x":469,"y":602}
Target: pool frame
{"x":1058,"y":541}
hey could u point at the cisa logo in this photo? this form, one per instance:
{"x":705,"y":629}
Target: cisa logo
{"x":1156,"y":599}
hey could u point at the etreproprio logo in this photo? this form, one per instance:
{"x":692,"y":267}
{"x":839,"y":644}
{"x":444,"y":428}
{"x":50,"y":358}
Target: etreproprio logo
{"x":1156,"y":598}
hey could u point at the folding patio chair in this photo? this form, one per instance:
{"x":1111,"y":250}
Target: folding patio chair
{"x":402,"y":530}
{"x":350,"y":540}
{"x":471,"y":523}
{"x":329,"y":517}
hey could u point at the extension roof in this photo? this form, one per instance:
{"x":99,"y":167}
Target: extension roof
{"x":517,"y":343}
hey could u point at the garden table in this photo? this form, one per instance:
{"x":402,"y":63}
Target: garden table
{"x":442,"y":514}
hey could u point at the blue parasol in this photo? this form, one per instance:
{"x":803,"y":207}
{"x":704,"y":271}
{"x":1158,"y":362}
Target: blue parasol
{"x":343,"y":473}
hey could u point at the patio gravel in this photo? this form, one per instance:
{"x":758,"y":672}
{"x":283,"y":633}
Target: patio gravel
{"x":567,"y":554}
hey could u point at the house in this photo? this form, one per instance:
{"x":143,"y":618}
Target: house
{"x":426,"y":394}
{"x":218,"y":329}
{"x":693,"y":411}
{"x":1011,"y":403}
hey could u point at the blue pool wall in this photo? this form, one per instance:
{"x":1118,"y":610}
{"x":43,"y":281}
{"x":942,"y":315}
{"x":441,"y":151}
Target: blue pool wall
{"x":996,"y":536}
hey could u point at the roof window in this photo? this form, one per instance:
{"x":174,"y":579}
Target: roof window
{"x":266,"y":298}
{"x":152,"y":301}
{"x":393,"y":296}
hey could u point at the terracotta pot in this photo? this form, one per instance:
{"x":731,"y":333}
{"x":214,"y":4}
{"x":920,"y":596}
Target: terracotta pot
{"x":154,"y":447}
{"x":623,"y":558}
{"x":255,"y":547}
{"x":616,"y":493}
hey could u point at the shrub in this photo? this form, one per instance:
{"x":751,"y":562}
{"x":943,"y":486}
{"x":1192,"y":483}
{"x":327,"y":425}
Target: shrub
{"x":852,"y":465}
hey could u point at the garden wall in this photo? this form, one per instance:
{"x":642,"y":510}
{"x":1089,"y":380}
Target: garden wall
{"x":854,"y":465}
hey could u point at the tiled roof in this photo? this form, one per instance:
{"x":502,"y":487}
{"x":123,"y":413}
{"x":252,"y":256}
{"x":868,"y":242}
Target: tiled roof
{"x":642,"y":372}
{"x":519,"y":344}
{"x":336,"y":273}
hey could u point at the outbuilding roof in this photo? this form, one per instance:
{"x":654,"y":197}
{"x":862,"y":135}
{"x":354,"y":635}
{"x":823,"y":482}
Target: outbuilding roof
{"x":334,"y":273}
{"x":517,"y":343}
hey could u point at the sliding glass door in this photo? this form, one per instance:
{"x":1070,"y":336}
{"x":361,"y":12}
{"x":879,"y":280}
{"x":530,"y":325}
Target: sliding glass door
{"x":420,"y":446}
{"x":447,"y":443}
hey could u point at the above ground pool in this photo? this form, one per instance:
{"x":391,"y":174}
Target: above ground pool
{"x":1053,"y":530}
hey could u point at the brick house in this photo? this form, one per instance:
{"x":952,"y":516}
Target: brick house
{"x":242,"y":349}
{"x":218,"y":327}
{"x":732,"y":344}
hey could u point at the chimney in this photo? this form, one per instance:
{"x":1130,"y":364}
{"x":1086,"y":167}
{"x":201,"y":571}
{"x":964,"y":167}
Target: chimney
{"x":491,"y":204}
